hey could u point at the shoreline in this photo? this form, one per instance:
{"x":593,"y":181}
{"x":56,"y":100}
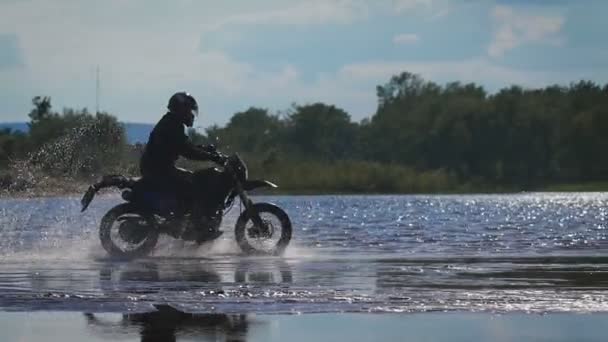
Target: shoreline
{"x":46,"y":193}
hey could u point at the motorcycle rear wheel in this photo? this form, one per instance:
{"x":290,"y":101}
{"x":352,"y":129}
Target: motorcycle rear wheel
{"x":148,"y":238}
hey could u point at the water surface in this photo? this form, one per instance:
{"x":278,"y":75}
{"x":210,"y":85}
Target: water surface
{"x":491,"y":253}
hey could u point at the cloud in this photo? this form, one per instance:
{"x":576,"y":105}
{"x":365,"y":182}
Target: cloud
{"x":513,"y":29}
{"x":401,"y":6}
{"x":432,"y":9}
{"x":405,"y":38}
{"x":441,"y":13}
{"x":313,"y":12}
{"x":64,"y":40}
{"x":479,"y":70}
{"x":141,"y":64}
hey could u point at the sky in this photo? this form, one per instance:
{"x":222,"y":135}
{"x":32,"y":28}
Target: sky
{"x":272,"y":53}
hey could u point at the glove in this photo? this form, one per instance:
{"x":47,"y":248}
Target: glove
{"x":208,"y":148}
{"x":218,"y":158}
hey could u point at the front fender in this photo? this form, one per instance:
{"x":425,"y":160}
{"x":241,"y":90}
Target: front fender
{"x":255,"y":184}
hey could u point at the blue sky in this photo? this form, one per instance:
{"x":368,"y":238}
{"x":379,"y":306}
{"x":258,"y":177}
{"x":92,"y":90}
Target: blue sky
{"x":271,"y":53}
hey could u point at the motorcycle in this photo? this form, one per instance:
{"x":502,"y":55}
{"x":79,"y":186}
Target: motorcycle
{"x":131,"y":229}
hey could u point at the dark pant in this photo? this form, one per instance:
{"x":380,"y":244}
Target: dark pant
{"x":172,"y":180}
{"x":185,"y":184}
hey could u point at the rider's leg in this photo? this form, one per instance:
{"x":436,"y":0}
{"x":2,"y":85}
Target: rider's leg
{"x":200,"y":212}
{"x":183,"y":181}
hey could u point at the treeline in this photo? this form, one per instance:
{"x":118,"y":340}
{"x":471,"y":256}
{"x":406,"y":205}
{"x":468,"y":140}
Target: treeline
{"x":424,"y":137}
{"x":455,"y":136}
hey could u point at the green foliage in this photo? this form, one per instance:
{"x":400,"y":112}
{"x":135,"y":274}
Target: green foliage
{"x":253,"y":130}
{"x":320,"y":132}
{"x":12,"y":146}
{"x":349,"y":176}
{"x":522,"y":137}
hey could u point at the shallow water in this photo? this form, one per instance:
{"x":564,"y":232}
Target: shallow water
{"x":501,"y":253}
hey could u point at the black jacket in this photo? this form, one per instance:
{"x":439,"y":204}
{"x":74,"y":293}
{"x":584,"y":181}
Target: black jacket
{"x":166,"y":143}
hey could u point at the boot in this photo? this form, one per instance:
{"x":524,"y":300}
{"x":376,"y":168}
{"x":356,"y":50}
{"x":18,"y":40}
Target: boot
{"x":205,"y":226}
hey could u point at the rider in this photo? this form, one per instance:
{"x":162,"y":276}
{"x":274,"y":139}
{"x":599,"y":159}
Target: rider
{"x":167,"y":142}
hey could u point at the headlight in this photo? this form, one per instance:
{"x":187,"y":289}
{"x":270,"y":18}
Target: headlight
{"x":242,"y":171}
{"x":239,"y":168}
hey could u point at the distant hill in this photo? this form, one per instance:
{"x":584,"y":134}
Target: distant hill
{"x":15,"y":126}
{"x":136,"y":132}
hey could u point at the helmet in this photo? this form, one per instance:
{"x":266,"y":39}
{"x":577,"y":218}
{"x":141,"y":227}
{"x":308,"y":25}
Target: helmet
{"x":184,"y":104}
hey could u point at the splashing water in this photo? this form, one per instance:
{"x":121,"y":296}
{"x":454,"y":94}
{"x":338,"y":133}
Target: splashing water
{"x":64,"y":164}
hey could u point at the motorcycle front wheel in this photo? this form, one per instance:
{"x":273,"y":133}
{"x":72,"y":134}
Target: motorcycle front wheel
{"x":263,"y":229}
{"x":126,"y":233}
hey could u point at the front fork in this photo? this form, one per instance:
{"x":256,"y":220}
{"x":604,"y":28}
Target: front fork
{"x":243,"y":196}
{"x":260,"y":228}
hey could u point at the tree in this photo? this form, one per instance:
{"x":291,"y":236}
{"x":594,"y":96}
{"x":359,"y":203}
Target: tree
{"x":320,"y":131}
{"x":42,"y":109}
{"x":254,"y":130}
{"x":12,"y":145}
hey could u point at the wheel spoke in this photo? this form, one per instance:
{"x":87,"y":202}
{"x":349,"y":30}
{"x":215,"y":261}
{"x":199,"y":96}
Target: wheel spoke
{"x":117,"y":232}
{"x":264,"y":238}
{"x":126,"y":233}
{"x":274,"y":236}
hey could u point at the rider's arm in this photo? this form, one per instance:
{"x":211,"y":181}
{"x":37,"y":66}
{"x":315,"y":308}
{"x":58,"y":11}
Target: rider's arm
{"x":191,"y":151}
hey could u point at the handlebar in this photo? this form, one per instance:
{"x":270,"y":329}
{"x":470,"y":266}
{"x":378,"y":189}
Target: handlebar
{"x":208,"y":148}
{"x":219,"y":157}
{"x":222,"y":157}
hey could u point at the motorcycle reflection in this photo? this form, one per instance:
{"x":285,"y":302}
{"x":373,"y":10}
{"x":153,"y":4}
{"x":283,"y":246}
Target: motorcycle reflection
{"x":151,"y":276}
{"x":167,"y":323}
{"x":270,"y":272}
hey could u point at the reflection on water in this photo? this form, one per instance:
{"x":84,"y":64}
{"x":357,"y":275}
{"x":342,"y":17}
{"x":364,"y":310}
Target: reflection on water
{"x":169,"y":324}
{"x":564,"y":273}
{"x":166,"y":323}
{"x":153,"y":275}
{"x":149,"y":276}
